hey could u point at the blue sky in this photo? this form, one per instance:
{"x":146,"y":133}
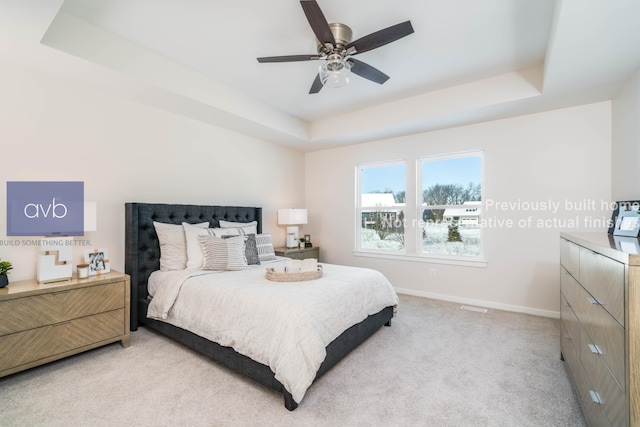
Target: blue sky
{"x":448,"y":171}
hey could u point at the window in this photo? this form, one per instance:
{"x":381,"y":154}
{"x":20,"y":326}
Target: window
{"x":381,"y":207}
{"x":443,"y":220}
{"x":451,"y":192}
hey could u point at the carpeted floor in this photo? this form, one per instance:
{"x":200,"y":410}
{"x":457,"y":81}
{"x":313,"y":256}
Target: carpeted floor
{"x":437,"y":365}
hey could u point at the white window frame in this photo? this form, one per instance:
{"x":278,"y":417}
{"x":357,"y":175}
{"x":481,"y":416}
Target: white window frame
{"x":359,"y":208}
{"x":420,"y":206}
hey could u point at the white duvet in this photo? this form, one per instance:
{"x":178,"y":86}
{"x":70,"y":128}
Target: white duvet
{"x":284,"y":325}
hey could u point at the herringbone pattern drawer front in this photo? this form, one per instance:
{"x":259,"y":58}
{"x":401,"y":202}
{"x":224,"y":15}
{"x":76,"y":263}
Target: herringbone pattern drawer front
{"x":24,"y":347}
{"x":96,"y":299}
{"x":27,"y":313}
{"x":91,"y":329}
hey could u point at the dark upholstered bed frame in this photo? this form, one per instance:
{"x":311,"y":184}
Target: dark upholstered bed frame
{"x":142,"y":257}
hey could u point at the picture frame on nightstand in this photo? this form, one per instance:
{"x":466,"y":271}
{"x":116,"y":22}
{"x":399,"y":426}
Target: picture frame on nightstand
{"x":307,"y":241}
{"x":98,"y":260}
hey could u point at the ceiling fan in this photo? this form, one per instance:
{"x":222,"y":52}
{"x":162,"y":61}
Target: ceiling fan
{"x":336,"y":49}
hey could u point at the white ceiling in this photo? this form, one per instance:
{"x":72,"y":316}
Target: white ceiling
{"x":467,"y":61}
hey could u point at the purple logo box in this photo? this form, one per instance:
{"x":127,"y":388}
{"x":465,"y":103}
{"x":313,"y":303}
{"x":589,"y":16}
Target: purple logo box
{"x":51,"y":208}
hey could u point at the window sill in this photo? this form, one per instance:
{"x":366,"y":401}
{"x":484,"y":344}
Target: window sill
{"x":479,"y":263}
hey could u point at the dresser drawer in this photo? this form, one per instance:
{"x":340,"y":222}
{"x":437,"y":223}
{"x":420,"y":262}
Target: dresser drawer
{"x":570,"y":257}
{"x":21,"y":314}
{"x":35,"y":344}
{"x":606,"y":389}
{"x":27,"y":346}
{"x":605,"y":333}
{"x":94,"y":299}
{"x":604,"y":279}
{"x":569,"y":287}
{"x":570,"y":325}
{"x":92,"y":329}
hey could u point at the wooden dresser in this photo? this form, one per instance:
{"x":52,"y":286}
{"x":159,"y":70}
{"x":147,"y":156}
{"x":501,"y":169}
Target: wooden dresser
{"x":600,"y":324}
{"x":40,"y":323}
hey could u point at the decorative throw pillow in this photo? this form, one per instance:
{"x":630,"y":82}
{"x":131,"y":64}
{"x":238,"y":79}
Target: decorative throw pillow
{"x":173,"y":247}
{"x":223,"y":254}
{"x":244,"y":227}
{"x":193,"y":249}
{"x":265,"y":247}
{"x":250,"y":249}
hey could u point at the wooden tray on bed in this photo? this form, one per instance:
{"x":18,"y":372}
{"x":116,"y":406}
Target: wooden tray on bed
{"x":293,"y":277}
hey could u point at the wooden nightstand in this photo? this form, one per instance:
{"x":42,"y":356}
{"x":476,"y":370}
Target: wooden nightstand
{"x":296,"y":253}
{"x":40,"y":323}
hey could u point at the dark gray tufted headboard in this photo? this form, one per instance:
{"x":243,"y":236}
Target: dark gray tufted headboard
{"x":142,"y":250}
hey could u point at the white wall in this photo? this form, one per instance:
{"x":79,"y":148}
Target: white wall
{"x":625,"y":157}
{"x":561,"y":156}
{"x":125,"y":152}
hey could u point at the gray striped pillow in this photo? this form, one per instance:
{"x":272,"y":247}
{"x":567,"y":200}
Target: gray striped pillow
{"x":265,"y":247}
{"x":223,"y":254}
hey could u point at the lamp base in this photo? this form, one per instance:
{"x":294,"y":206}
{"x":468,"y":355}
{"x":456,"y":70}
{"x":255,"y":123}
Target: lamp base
{"x":51,"y":271}
{"x":292,"y":241}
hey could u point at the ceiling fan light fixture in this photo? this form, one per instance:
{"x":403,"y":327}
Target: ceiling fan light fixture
{"x":334,"y":72}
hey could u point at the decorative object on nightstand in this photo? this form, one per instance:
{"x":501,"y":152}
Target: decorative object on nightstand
{"x":5,"y":267}
{"x":55,"y":264}
{"x":297,"y":253}
{"x":83,"y":271}
{"x":307,"y":241}
{"x":98,"y":261}
{"x":292,"y":218}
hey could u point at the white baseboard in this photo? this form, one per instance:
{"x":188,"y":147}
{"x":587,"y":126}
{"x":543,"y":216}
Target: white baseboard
{"x":481,"y":303}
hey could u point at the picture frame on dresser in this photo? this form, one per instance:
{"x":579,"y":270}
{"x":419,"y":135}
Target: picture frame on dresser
{"x":625,"y":205}
{"x":627,"y":223}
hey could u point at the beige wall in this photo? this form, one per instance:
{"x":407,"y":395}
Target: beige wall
{"x":124,"y":151}
{"x":561,"y":156}
{"x":625,"y":177}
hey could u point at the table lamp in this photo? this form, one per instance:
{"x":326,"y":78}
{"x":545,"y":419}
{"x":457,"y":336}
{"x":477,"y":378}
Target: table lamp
{"x":292,"y":218}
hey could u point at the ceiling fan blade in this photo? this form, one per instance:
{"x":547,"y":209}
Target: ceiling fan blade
{"x":289,"y":58}
{"x":318,"y":22}
{"x":367,"y":71}
{"x":381,"y":37}
{"x":316,"y":86}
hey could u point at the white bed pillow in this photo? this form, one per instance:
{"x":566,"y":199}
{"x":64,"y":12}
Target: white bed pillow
{"x":265,"y":247}
{"x":223,"y":254}
{"x":225,"y":232}
{"x":246,"y":227}
{"x":173,"y":246}
{"x":195,"y":256}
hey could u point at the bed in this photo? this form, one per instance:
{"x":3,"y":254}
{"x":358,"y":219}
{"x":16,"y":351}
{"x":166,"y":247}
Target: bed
{"x":142,"y":258}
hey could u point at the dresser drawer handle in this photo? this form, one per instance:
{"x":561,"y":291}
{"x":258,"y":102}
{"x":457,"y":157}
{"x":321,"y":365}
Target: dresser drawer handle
{"x":595,"y":349}
{"x":595,"y":397}
{"x":594,"y":301}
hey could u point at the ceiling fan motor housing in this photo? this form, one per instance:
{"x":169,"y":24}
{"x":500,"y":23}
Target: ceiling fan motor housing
{"x":342,"y":35}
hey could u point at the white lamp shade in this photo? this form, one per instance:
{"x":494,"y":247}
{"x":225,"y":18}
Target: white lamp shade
{"x":292,"y":216}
